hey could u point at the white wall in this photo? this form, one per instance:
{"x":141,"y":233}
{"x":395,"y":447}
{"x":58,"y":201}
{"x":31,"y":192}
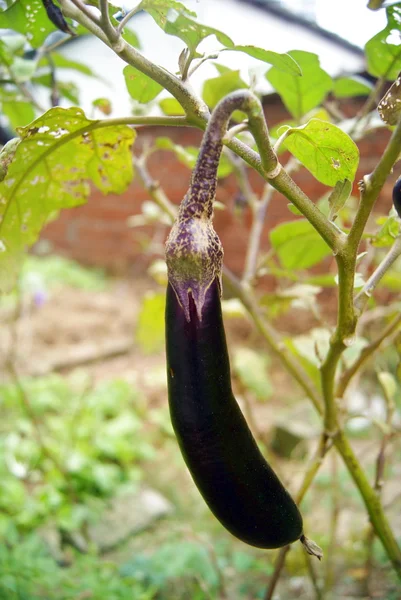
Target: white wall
{"x":245,"y":24}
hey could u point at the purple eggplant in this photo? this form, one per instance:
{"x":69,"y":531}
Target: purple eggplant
{"x":238,"y":485}
{"x":397,"y":196}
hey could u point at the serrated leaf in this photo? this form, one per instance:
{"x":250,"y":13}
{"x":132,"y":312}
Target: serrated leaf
{"x":301,"y":93}
{"x":347,"y":87}
{"x":298,"y":245}
{"x":189,"y":31}
{"x":171,"y":106}
{"x":140,"y":87}
{"x":29,"y":18}
{"x":283,"y":62}
{"x":383,"y":51}
{"x":150,"y":326}
{"x":338,"y":197}
{"x":325,"y":150}
{"x":216,"y":88}
{"x":251,"y":368}
{"x":188,"y":155}
{"x":58,"y":155}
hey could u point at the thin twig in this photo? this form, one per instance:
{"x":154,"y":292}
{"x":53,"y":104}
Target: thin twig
{"x":379,"y":479}
{"x":309,"y":476}
{"x":365,"y":293}
{"x":127,"y":18}
{"x":109,"y":29}
{"x":86,"y":11}
{"x":335,"y":509}
{"x":259,"y":210}
{"x":365,"y":354}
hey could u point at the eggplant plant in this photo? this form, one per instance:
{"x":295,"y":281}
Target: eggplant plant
{"x":56,"y":152}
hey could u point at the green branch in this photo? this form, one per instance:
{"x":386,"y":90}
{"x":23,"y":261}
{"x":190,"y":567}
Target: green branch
{"x":198,"y":115}
{"x":371,"y":187}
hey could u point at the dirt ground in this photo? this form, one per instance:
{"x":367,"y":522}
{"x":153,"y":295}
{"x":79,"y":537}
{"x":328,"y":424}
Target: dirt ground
{"x":96,"y":330}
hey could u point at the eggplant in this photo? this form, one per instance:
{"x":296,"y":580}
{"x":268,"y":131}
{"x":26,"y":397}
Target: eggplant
{"x":397,"y":196}
{"x":238,"y":485}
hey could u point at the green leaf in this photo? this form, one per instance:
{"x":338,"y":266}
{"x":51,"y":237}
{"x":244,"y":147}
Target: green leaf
{"x":57,"y":156}
{"x":189,"y":31}
{"x":150,"y":326}
{"x":29,"y":18}
{"x":282,"y":62}
{"x":325,"y":150}
{"x":301,"y":94}
{"x":390,"y":228}
{"x":390,"y":105}
{"x":171,"y":106}
{"x":251,"y":368}
{"x":383,"y":51}
{"x":140,"y":87}
{"x":159,"y":9}
{"x":131,"y":38}
{"x":216,"y":88}
{"x":61,"y":62}
{"x":188,"y":156}
{"x":22,"y":69}
{"x":298,"y":245}
{"x":66,"y":89}
{"x":339,"y":197}
{"x":347,"y":87}
{"x":18,"y":113}
{"x":392,"y":281}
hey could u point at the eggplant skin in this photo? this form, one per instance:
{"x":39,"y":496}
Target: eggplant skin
{"x":397,"y":196}
{"x":237,"y":483}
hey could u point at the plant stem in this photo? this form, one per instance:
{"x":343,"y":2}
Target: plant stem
{"x":198,"y":114}
{"x":194,"y":107}
{"x":259,"y":210}
{"x":309,"y":476}
{"x":365,"y":293}
{"x":127,"y":18}
{"x":110,"y":31}
{"x":371,"y":187}
{"x":291,"y":364}
{"x":371,"y":501}
{"x":276,"y":345}
{"x":365,"y":354}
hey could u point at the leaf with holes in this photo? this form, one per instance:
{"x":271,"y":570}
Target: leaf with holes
{"x":390,"y":105}
{"x":159,"y":9}
{"x":383,"y":51}
{"x":189,"y":31}
{"x":59,"y":154}
{"x":301,"y":93}
{"x":298,"y":245}
{"x":325,"y":150}
{"x":29,"y":18}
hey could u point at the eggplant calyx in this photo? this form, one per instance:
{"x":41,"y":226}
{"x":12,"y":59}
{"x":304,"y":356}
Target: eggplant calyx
{"x":194,"y":257}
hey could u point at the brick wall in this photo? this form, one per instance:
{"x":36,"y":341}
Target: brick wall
{"x":97,"y":233}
